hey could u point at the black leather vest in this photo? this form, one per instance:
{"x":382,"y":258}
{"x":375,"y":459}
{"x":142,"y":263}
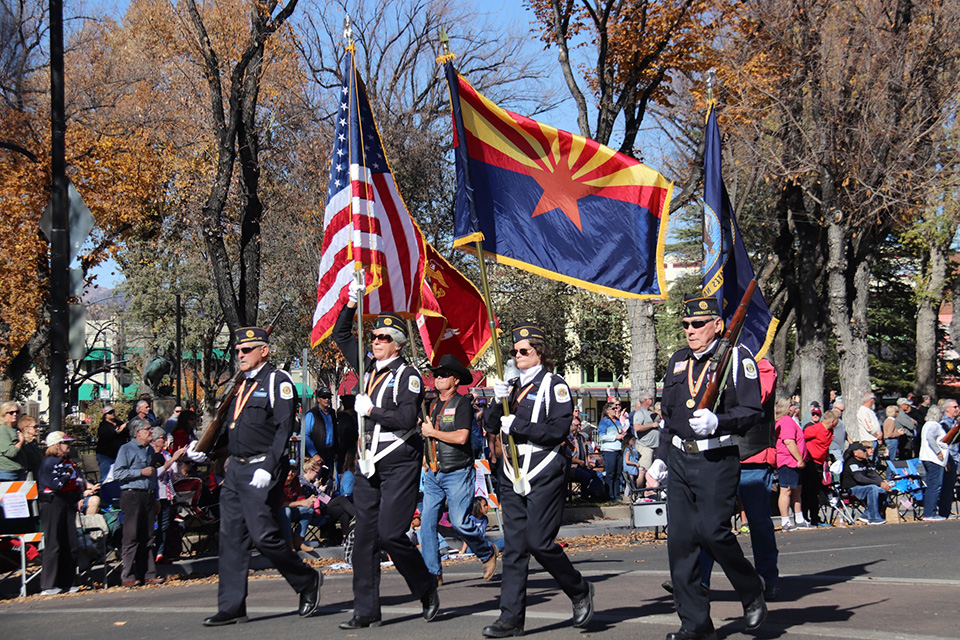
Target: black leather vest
{"x":451,"y":457}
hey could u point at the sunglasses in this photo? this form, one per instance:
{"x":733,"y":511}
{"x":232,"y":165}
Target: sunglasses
{"x":382,"y":337}
{"x":443,"y":374}
{"x":523,"y":351}
{"x":696,"y":324}
{"x":14,"y":412}
{"x":246,"y":350}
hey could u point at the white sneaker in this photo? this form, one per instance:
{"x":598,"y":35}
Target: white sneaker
{"x":788,"y":526}
{"x":52,"y":592}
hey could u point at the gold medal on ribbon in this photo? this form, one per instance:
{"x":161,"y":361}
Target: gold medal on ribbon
{"x":691,"y":404}
{"x":233,"y":425}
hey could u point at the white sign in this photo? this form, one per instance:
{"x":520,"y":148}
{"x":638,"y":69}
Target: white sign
{"x":15,"y":506}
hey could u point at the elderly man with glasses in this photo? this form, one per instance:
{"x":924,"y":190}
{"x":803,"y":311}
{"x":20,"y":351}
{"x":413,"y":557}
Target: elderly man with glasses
{"x":260,"y":421}
{"x":700,"y":451}
{"x":11,"y":442}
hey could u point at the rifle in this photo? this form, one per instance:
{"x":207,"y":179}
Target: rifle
{"x":431,"y":443}
{"x":210,"y":435}
{"x":721,"y":360}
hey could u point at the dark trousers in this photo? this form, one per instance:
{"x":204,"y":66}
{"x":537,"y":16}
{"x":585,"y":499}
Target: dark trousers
{"x":341,"y":510}
{"x":247,"y":515}
{"x":701,"y":498}
{"x":139,"y":516}
{"x":385,"y":504}
{"x":58,"y":520}
{"x":530,"y":527}
{"x":164,"y":520}
{"x":811,"y":480}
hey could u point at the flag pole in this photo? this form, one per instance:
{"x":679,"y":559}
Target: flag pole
{"x":431,"y":450}
{"x":521,"y":484}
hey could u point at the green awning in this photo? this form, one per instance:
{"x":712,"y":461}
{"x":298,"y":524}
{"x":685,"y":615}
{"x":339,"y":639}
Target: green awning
{"x":99,"y":355}
{"x":299,"y":386}
{"x":88,"y":392}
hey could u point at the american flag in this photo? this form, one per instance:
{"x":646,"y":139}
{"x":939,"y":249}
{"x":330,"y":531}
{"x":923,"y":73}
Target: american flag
{"x":366,"y":224}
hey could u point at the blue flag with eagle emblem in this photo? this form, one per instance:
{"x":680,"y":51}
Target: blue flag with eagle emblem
{"x":555,"y":203}
{"x":726,"y":266}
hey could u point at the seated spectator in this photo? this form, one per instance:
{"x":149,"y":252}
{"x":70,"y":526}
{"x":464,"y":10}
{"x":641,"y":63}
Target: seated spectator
{"x":862,"y":480}
{"x":345,"y":482}
{"x":315,"y":504}
{"x":591,"y":482}
{"x":478,"y":516}
{"x":934,"y":455}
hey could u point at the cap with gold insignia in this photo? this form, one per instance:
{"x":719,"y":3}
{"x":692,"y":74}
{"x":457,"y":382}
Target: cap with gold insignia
{"x":697,"y":307}
{"x":251,"y":336}
{"x":526,"y":331}
{"x":390,"y":320}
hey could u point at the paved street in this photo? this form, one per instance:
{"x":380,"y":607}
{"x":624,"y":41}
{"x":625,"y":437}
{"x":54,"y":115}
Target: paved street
{"x":894,"y":581}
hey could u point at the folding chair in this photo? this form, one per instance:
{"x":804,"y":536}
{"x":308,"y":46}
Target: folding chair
{"x":199,"y":528}
{"x":908,"y":485}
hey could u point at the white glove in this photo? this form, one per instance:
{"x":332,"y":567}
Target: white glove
{"x":658,"y":470}
{"x":260,"y":479}
{"x":501,"y":390}
{"x":704,"y":422}
{"x":354,"y":289}
{"x":363,"y":404}
{"x":193,"y":454}
{"x":505,"y":423}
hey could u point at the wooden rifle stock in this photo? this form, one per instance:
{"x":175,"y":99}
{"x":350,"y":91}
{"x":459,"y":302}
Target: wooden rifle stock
{"x":720,"y":362}
{"x":208,"y":439}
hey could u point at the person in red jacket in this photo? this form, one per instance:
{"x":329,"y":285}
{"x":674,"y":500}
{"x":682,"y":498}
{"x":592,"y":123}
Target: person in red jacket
{"x":819,"y":435}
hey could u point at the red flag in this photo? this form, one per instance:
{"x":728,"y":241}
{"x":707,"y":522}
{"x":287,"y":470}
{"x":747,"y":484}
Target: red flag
{"x":453,"y":315}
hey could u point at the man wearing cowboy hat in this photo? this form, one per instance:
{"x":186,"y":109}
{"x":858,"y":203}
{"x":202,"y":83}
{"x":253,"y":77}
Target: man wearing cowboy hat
{"x":449,"y":425}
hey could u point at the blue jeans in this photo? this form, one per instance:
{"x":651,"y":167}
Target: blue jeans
{"x":303,"y":517}
{"x":611,"y":473}
{"x":931,"y":494}
{"x":12,"y":476}
{"x":870,"y":493}
{"x":756,"y":485}
{"x":892,"y":446}
{"x":459,"y":487}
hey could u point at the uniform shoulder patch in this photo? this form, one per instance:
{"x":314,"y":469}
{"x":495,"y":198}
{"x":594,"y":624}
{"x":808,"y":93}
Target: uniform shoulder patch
{"x":414,"y":384}
{"x":750,"y":369}
{"x":562,"y":393}
{"x":286,"y":390}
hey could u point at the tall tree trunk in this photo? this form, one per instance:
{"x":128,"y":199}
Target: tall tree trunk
{"x":643,"y":354}
{"x":848,"y":311}
{"x":929,"y":294}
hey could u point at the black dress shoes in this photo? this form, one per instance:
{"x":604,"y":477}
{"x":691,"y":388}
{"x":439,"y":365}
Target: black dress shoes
{"x":310,"y":597}
{"x":220,"y":619}
{"x":360,"y":622}
{"x":583,"y":609}
{"x":755,"y":613}
{"x":431,"y":604}
{"x":683,"y":634}
{"x":501,"y":629}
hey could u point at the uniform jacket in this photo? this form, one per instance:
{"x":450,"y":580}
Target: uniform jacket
{"x":267,"y":419}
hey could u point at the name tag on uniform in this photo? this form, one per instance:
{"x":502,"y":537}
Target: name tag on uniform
{"x":259,"y":394}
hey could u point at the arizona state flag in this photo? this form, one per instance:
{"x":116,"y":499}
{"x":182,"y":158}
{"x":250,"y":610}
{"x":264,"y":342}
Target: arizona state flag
{"x":726,"y":266}
{"x":453,"y":316}
{"x":555,"y":203}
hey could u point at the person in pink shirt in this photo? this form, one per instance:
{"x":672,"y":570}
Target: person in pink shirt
{"x":819,"y":436}
{"x":791,"y":458}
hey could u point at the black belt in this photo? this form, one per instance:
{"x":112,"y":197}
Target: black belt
{"x":131,"y":489}
{"x":254,"y":459}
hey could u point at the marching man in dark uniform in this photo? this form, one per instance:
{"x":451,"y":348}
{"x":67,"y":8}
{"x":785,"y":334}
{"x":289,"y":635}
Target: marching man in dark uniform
{"x":386,"y":495}
{"x":450,"y":424}
{"x":260,"y":422}
{"x":540,"y":415}
{"x":700,"y":458}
